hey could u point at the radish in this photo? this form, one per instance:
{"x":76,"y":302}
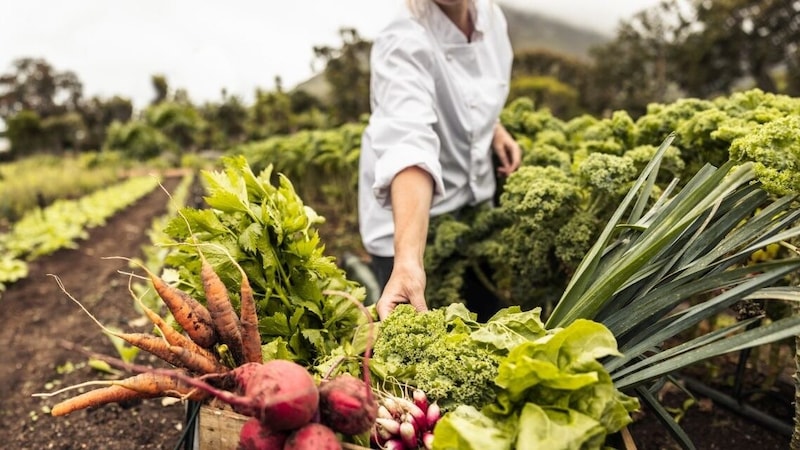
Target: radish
{"x":418,"y":415}
{"x":408,"y":434}
{"x":256,"y":436}
{"x":346,"y":404}
{"x":420,"y":399}
{"x":433,"y":414}
{"x":313,"y":436}
{"x":427,"y":440}
{"x":395,"y":444}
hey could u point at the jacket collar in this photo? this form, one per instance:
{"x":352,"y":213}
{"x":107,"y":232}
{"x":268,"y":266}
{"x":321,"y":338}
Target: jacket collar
{"x":448,"y":33}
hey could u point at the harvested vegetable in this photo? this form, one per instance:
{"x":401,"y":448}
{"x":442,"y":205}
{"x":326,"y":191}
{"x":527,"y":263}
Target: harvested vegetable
{"x":347,"y":405}
{"x":256,"y":436}
{"x":313,"y":436}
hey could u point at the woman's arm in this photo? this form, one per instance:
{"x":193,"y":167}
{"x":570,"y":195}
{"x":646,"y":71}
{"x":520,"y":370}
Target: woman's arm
{"x":411,"y":194}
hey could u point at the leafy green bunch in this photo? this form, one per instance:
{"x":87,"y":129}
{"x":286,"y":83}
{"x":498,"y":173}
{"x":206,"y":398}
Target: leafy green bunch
{"x":508,"y":382}
{"x":435,"y":352}
{"x":268,"y":230}
{"x":552,"y":393}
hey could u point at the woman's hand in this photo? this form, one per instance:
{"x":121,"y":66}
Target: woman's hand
{"x":405,"y":285}
{"x":507,"y":150}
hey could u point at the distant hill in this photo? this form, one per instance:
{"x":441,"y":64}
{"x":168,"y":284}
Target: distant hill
{"x":527,"y":30}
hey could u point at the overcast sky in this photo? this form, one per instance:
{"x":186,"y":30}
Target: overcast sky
{"x":202,"y":46}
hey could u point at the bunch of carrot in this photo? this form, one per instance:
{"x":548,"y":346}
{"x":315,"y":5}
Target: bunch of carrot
{"x":288,"y":409}
{"x":194,"y":352}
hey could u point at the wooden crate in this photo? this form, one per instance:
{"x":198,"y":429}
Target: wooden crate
{"x":218,"y":429}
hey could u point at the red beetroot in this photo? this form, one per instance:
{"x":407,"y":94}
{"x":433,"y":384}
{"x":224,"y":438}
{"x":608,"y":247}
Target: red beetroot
{"x":242,"y":374}
{"x":280,"y":393}
{"x":256,"y":436}
{"x":346,"y":404}
{"x":283,"y":395}
{"x":313,"y":436}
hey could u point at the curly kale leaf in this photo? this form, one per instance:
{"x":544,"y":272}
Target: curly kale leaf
{"x":775,"y":149}
{"x":434,"y":352}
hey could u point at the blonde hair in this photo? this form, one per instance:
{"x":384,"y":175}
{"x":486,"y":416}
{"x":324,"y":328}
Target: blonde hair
{"x":419,"y":8}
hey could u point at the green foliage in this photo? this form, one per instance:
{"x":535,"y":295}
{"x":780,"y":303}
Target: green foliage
{"x":180,"y":122}
{"x":574,"y":175}
{"x":268,"y":230}
{"x":24,"y":132}
{"x":137,"y":140}
{"x":42,"y":231}
{"x":546,"y":92}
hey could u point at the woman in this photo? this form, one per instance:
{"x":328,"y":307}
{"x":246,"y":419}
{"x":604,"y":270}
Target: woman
{"x":439,"y":79}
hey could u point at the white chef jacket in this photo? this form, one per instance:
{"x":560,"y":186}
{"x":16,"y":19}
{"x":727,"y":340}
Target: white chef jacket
{"x":435,"y":100}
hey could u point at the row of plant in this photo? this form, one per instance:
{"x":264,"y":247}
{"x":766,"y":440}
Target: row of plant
{"x":516,"y":381}
{"x":39,"y":180}
{"x":62,"y":224}
{"x":574,"y":174}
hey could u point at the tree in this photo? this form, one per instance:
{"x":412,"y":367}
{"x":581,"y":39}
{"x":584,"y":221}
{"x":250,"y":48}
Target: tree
{"x":36,"y":86}
{"x":226,"y":121}
{"x":24,"y":132}
{"x":98,"y":114}
{"x":724,"y":42}
{"x":271,"y":113}
{"x":631,"y":71}
{"x":347,"y":72}
{"x":698,"y":48}
{"x":179,"y":122}
{"x":161,"y":87}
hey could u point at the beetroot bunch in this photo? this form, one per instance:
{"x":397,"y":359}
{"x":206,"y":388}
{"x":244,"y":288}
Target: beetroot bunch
{"x":289,"y":411}
{"x":405,"y":424}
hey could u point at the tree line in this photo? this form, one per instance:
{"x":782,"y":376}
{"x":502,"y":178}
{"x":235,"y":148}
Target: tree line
{"x":679,"y":48}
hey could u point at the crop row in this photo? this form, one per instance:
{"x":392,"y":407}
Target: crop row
{"x":39,"y":180}
{"x":44,"y":230}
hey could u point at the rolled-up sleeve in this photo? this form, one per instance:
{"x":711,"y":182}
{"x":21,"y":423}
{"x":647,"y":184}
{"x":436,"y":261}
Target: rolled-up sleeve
{"x":400,"y":130}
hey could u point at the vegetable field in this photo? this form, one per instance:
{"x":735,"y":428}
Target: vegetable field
{"x":34,"y":357}
{"x":674,"y":283}
{"x":38,"y":319}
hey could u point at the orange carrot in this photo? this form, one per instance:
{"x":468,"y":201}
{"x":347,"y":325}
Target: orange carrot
{"x":193,"y":317}
{"x":160,"y":385}
{"x":153,"y":344}
{"x":251,"y":337}
{"x":248,"y":321}
{"x":97,"y":397}
{"x":172,"y":336}
{"x":190,"y":314}
{"x":224,"y":318}
{"x":195,"y":361}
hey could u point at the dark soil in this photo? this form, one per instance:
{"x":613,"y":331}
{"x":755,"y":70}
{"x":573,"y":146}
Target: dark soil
{"x":38,"y":318}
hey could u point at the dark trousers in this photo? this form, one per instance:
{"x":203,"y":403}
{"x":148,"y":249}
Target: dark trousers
{"x":382,"y":268}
